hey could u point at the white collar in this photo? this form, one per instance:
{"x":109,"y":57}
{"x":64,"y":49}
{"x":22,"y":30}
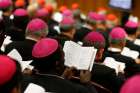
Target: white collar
{"x":31,"y":39}
{"x":114,"y":49}
{"x":87,"y":26}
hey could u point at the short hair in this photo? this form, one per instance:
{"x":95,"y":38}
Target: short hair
{"x":130,"y":31}
{"x":48,"y":63}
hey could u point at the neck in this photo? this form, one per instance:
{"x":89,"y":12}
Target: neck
{"x":131,"y":37}
{"x":32,"y":38}
{"x":116,"y":47}
{"x":6,"y":13}
{"x":68,"y":34}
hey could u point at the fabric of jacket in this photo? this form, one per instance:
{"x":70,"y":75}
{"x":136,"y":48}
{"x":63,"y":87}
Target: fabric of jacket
{"x":23,"y":47}
{"x":54,"y":84}
{"x":132,"y":46}
{"x":106,"y":77}
{"x":131,"y":68}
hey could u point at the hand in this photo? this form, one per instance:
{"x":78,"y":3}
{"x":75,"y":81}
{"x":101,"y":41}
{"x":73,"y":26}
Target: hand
{"x":68,"y":73}
{"x":85,"y":76}
{"x":27,"y":71}
{"x":137,"y":61}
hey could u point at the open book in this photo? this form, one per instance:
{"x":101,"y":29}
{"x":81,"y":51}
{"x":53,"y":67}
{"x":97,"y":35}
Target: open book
{"x":15,"y":55}
{"x":130,"y":53}
{"x":112,"y":63}
{"x":82,"y":58}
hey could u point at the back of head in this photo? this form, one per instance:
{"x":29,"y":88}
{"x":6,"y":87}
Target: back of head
{"x":94,"y":39}
{"x":67,"y":13}
{"x":131,"y":85}
{"x":5,"y":5}
{"x":117,"y":35}
{"x":67,"y":24}
{"x":42,"y":13}
{"x":91,"y":18}
{"x":37,"y":28}
{"x":10,"y":76}
{"x":20,"y":18}
{"x":46,"y":53}
{"x":131,"y":27}
{"x":111,"y":20}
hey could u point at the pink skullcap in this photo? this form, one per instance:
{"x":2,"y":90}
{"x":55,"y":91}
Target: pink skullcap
{"x":94,"y":37}
{"x":44,"y":48}
{"x":132,"y":85}
{"x":7,"y":69}
{"x":20,"y":12}
{"x":63,"y":8}
{"x":75,"y":6}
{"x":117,"y":33}
{"x":67,"y":22}
{"x":111,"y":17}
{"x":36,"y":25}
{"x":5,"y":3}
{"x":93,"y":16}
{"x":131,"y":24}
{"x":101,"y":17}
{"x":42,"y":13}
{"x":67,"y":13}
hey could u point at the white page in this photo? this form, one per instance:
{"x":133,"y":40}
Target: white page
{"x":25,"y":64}
{"x":93,"y":59}
{"x":6,"y":42}
{"x":137,"y":42}
{"x":134,"y":54}
{"x":79,"y":57}
{"x":110,"y":62}
{"x":57,"y":28}
{"x":33,"y":88}
{"x":71,"y":53}
{"x":86,"y":58}
{"x":15,"y":55}
{"x":130,"y":53}
{"x":121,"y":66}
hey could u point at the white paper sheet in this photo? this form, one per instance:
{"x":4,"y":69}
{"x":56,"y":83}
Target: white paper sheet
{"x":137,"y":42}
{"x":16,"y":55}
{"x":6,"y":42}
{"x":34,"y":88}
{"x":130,"y":53}
{"x":71,"y":53}
{"x":112,"y":63}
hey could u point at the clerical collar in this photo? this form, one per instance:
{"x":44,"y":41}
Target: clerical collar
{"x":87,"y":26}
{"x":114,"y":49}
{"x":31,"y":39}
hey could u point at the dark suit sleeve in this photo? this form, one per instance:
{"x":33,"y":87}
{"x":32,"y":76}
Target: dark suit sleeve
{"x":106,"y":77}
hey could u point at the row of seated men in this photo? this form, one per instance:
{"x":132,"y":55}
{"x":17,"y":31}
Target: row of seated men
{"x":41,"y":39}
